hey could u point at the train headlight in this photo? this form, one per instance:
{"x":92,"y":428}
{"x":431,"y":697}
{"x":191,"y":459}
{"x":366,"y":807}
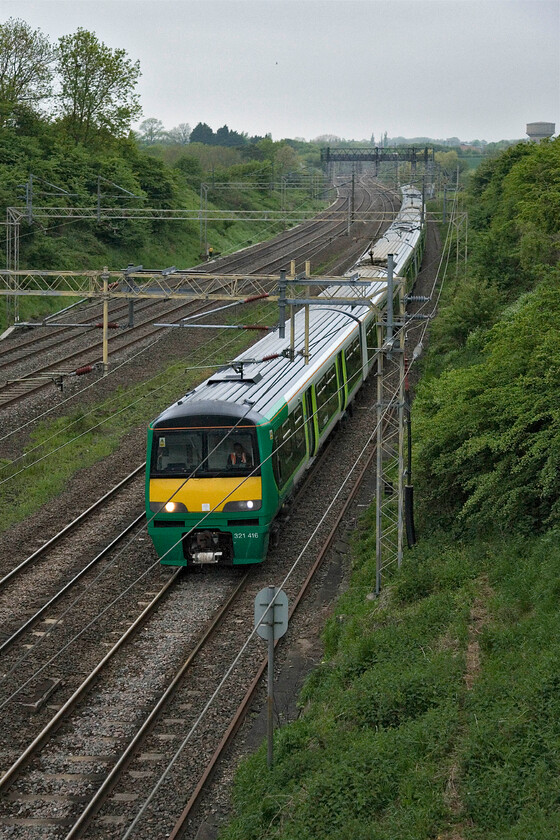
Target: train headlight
{"x":251,"y":504}
{"x":168,"y":507}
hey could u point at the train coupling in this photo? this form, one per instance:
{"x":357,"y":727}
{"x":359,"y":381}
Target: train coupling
{"x":207,"y":547}
{"x":206,"y":557}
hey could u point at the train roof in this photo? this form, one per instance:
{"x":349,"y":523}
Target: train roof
{"x":257,"y":387}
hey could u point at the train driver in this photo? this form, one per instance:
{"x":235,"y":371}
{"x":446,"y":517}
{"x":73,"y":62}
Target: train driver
{"x":239,"y":457}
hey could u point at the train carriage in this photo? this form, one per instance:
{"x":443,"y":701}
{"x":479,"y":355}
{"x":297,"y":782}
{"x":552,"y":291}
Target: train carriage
{"x":224,"y":458}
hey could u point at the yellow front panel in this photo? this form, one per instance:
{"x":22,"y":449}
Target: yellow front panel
{"x":204,"y":494}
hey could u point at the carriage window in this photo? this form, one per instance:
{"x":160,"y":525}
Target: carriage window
{"x":371,"y":339}
{"x":234,"y":452}
{"x":289,"y":446}
{"x":327,"y":397}
{"x":353,"y":355}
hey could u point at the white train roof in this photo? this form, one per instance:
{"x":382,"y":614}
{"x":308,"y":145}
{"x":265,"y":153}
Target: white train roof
{"x":264,"y":386}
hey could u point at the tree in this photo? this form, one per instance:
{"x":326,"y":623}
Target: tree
{"x":327,"y":138}
{"x":97,"y":87}
{"x":180,"y":134}
{"x":26,"y":58}
{"x":151,"y":131}
{"x":202,"y":133}
{"x":286,"y":159}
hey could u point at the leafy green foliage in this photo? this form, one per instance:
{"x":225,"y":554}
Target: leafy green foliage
{"x":96,"y":87}
{"x":489,"y":434}
{"x":26,"y":72}
{"x":514,"y":210}
{"x":366,"y":758}
{"x":510,"y":756}
{"x":487,"y":427}
{"x":390,"y":726}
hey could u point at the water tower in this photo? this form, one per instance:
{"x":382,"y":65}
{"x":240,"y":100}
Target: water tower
{"x":538,"y":131}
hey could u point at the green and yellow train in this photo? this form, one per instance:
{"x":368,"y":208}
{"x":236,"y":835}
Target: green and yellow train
{"x":223,"y":459}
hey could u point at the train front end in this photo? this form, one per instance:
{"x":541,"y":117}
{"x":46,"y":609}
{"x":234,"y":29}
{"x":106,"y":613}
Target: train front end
{"x":210,"y":493}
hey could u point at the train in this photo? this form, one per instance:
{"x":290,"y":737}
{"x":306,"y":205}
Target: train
{"x":225,"y":458}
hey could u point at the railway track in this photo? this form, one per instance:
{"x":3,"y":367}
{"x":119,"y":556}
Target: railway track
{"x":54,"y":337}
{"x":76,"y":754}
{"x":78,"y":565}
{"x":16,"y":390}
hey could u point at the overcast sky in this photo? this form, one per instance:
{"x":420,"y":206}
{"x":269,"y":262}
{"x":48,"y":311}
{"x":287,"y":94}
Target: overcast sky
{"x":301,"y":68}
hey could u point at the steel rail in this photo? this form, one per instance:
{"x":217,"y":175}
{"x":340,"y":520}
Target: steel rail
{"x":29,"y":346}
{"x":71,"y":525}
{"x":44,"y":371}
{"x":112,"y":777}
{"x":53,"y":724}
{"x":42,"y":377}
{"x":67,"y":586}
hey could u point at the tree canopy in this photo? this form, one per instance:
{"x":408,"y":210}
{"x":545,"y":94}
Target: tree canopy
{"x":26,"y":67}
{"x":97,"y":92}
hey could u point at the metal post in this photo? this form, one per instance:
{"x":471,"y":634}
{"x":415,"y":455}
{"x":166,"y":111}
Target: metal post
{"x":353,"y":195}
{"x":401,"y":398}
{"x":379,"y":469}
{"x":292,"y":332}
{"x":390,"y":293}
{"x":105,"y":278}
{"x":444,"y":203}
{"x":282,"y":283}
{"x":270,"y":680}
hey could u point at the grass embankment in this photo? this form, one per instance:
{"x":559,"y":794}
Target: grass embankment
{"x":59,"y":448}
{"x":436,"y":713}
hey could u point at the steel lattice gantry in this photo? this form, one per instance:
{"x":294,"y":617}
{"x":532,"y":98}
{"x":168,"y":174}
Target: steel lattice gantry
{"x":377,"y":155}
